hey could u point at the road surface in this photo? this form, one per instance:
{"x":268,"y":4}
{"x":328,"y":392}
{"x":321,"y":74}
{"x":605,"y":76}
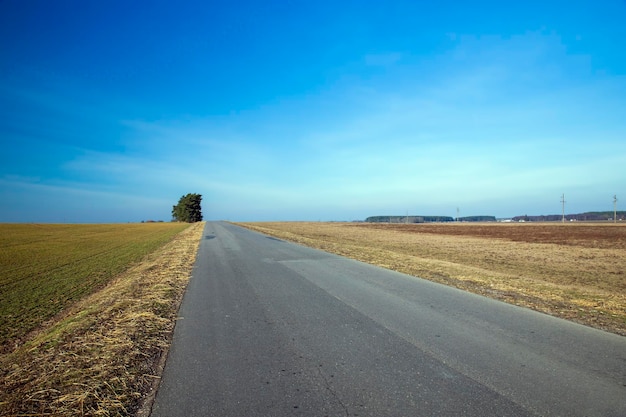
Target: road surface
{"x":269,"y":328}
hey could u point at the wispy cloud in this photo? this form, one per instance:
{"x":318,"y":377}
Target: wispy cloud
{"x":34,"y":200}
{"x":466,"y":135}
{"x":502,"y":122}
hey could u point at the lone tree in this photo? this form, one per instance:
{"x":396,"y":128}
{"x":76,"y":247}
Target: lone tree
{"x":188,"y":209}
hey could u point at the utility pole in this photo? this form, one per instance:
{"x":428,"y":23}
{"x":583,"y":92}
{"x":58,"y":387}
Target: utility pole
{"x":563,"y":205}
{"x":615,"y":208}
{"x":457,"y":214}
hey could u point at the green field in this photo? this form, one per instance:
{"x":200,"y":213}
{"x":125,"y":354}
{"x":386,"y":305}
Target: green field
{"x":46,"y":268}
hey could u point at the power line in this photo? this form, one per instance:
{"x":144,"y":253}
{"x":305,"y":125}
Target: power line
{"x":563,"y":205}
{"x":615,"y":208}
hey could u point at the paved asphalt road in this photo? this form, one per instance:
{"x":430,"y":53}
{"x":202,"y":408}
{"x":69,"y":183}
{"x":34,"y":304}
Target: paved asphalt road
{"x":269,"y":328}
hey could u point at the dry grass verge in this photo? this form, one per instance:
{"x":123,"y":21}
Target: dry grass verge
{"x":573,"y":271}
{"x":102,"y":358}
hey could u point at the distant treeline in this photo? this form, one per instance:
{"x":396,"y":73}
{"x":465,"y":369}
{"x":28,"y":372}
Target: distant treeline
{"x":581,"y":217}
{"x":478,"y":219}
{"x":427,"y":219}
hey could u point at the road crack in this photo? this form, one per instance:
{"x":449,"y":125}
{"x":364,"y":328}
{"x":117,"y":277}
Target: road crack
{"x":332,"y":392}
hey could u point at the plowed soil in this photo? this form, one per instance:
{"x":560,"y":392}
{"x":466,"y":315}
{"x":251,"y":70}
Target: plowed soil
{"x":589,"y":235}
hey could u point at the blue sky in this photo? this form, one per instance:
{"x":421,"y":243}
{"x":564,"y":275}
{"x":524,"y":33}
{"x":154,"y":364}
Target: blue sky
{"x":110,"y":111}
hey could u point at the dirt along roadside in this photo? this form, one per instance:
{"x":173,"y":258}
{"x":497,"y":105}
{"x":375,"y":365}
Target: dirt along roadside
{"x":102,"y":357}
{"x":572,"y":271}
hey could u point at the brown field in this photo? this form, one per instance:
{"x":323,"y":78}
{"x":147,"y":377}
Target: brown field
{"x":575,"y":271}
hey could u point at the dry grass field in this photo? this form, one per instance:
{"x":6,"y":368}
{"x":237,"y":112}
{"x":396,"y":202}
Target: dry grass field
{"x":120,"y":287}
{"x":575,"y":271}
